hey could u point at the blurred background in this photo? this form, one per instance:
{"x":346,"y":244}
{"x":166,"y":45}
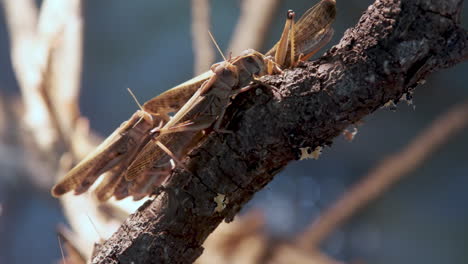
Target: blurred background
{"x":147,"y":46}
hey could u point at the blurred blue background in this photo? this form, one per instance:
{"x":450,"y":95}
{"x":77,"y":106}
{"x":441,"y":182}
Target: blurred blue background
{"x":146,"y":45}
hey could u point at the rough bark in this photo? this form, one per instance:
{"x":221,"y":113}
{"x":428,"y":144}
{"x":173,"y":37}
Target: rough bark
{"x":392,"y":49}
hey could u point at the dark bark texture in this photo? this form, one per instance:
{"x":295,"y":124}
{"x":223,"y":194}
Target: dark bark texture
{"x":392,"y":49}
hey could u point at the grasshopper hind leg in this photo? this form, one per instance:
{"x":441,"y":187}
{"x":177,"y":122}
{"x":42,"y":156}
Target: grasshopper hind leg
{"x":282,"y":46}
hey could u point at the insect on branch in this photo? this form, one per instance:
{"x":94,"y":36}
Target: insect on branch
{"x":376,"y":61}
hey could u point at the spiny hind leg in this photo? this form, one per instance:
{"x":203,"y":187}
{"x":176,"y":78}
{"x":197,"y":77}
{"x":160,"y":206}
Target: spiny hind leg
{"x":292,"y":44}
{"x":282,"y":49}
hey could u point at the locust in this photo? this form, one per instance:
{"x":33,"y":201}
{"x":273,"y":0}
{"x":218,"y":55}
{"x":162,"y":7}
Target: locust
{"x":203,"y":110}
{"x":310,"y":34}
{"x":307,"y":36}
{"x":146,"y":166}
{"x":119,"y":148}
{"x":136,"y":157}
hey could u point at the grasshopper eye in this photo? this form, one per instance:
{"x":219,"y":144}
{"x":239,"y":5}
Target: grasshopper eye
{"x":227,"y":73}
{"x":250,"y":60}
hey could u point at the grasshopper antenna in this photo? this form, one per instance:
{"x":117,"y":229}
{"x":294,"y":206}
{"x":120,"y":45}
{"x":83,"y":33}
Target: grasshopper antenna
{"x":134,"y":98}
{"x":61,"y":249}
{"x":139,"y":105}
{"x":216,"y":44}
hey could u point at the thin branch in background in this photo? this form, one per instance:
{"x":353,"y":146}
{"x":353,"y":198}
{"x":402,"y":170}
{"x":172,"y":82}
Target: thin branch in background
{"x":49,"y":84}
{"x":28,"y":59}
{"x":17,"y":160}
{"x":387,"y":173}
{"x":242,"y":241}
{"x":288,"y":253}
{"x":253,"y":24}
{"x":46,"y":54}
{"x":7,"y":122}
{"x":246,"y":241}
{"x":66,"y":66}
{"x":83,"y":212}
{"x":203,"y":51}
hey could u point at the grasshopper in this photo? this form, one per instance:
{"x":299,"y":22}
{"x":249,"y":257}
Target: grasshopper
{"x":298,"y":42}
{"x":306,"y":37}
{"x":310,"y":34}
{"x":119,"y":148}
{"x":204,"y":109}
{"x":316,"y":23}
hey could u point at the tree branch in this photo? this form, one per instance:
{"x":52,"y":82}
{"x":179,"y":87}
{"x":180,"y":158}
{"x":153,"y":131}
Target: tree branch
{"x":203,"y":52}
{"x":395,"y":45}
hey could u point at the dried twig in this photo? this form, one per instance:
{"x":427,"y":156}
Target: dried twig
{"x":49,"y":82}
{"x":253,"y":24}
{"x":202,"y":46}
{"x":89,"y":223}
{"x":241,"y":241}
{"x":387,"y":173}
{"x":288,"y":253}
{"x":29,"y":60}
{"x":47,"y":54}
{"x":246,"y":241}
{"x":64,"y":85}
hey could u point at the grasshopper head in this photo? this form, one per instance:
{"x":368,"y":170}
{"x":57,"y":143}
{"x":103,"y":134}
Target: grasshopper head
{"x":226,"y":72}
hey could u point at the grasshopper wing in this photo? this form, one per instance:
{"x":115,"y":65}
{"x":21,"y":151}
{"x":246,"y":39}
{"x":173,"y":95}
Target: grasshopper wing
{"x":103,"y":158}
{"x":149,"y":159}
{"x":173,"y":99}
{"x":121,"y":146}
{"x":115,"y":177}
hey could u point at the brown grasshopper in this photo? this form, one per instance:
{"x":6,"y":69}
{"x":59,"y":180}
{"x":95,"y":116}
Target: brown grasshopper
{"x":315,"y":22}
{"x":120,"y":149}
{"x":307,"y":36}
{"x":204,"y":109}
